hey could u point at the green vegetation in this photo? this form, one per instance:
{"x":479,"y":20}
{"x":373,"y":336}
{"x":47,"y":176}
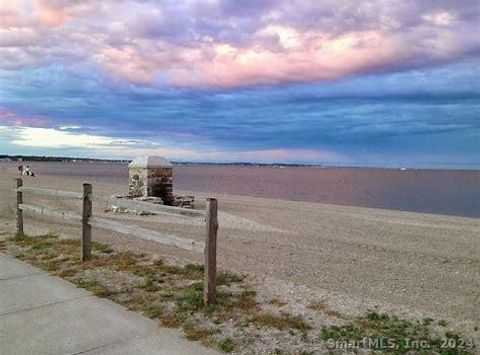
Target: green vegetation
{"x":169,"y":293}
{"x":284,"y":321}
{"x":442,"y":323}
{"x":322,"y":307}
{"x":393,"y":334}
{"x":276,"y":302}
{"x":227,"y":345}
{"x":173,"y":295}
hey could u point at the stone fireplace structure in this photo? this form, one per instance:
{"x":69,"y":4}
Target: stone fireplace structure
{"x":151,"y":176}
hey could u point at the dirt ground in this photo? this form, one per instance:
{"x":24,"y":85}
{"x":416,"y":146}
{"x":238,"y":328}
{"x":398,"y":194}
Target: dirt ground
{"x":353,"y":258}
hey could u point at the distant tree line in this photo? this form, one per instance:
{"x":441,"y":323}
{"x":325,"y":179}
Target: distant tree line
{"x":73,"y":159}
{"x":56,"y":159}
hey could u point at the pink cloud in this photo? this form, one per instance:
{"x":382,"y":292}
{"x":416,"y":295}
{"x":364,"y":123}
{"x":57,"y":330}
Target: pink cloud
{"x":298,"y":57}
{"x":50,"y":13}
{"x":9,"y":17}
{"x":10,"y":118}
{"x":221,"y":44}
{"x":55,"y":13}
{"x":307,"y":57}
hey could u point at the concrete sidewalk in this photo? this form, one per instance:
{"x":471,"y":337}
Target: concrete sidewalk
{"x":43,"y":314}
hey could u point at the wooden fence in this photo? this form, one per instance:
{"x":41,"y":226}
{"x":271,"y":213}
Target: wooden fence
{"x":86,"y":218}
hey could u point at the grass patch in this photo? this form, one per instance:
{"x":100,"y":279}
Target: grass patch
{"x":190,"y":299}
{"x":322,"y":307}
{"x":147,"y":306}
{"x":94,"y":286}
{"x":102,"y":247}
{"x":194,"y":271}
{"x":318,"y":305}
{"x":18,"y":236}
{"x":442,"y":323}
{"x":227,"y":345}
{"x":246,"y":300}
{"x":124,"y":261}
{"x":401,"y":332}
{"x":193,"y":331}
{"x":227,"y":278}
{"x":173,"y":295}
{"x":282,"y":321}
{"x":170,"y":320}
{"x":276,"y":302}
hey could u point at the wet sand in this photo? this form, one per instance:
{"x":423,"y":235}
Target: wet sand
{"x":356,"y":258}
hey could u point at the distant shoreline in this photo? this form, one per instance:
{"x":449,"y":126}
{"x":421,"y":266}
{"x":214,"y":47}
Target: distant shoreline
{"x":60,"y":159}
{"x":449,"y":192}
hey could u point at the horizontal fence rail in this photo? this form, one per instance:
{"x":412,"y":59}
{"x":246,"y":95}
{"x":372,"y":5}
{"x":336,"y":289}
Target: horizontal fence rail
{"x":148,"y":234}
{"x":88,"y":221}
{"x":52,"y":193}
{"x":43,"y":211}
{"x":120,"y":227}
{"x":141,"y":206}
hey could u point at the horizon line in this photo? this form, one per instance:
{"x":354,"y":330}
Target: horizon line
{"x":54,"y":158}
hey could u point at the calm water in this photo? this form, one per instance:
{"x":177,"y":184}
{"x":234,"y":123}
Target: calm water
{"x":453,"y":192}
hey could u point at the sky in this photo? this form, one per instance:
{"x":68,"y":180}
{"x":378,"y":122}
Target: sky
{"x":383,"y":83}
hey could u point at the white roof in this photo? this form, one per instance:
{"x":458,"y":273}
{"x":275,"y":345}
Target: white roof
{"x":150,"y":162}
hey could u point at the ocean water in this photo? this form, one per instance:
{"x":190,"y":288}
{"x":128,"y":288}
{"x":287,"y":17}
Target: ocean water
{"x":451,"y":192}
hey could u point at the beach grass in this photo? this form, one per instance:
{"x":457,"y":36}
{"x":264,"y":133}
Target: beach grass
{"x":238,"y":322}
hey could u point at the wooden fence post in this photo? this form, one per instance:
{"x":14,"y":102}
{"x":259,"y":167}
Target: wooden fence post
{"x":86,"y":228}
{"x":19,"y":214}
{"x":209,"y":291}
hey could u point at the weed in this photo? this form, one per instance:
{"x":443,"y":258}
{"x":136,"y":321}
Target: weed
{"x":195,"y":332}
{"x":304,"y":335}
{"x":246,"y":300}
{"x":193,"y":271}
{"x":124,"y":261}
{"x":427,"y":321}
{"x":318,"y":305}
{"x":190,"y":299}
{"x":66,"y":273}
{"x":276,"y":302}
{"x":322,"y":307}
{"x":102,"y":247}
{"x":167,"y":295}
{"x":147,"y":306}
{"x":174,"y":296}
{"x":170,"y":320}
{"x":94,"y":286}
{"x":283,"y":321}
{"x":227,"y":278}
{"x":227,"y":345}
{"x":385,"y":328}
{"x":151,"y":283}
{"x":18,"y":236}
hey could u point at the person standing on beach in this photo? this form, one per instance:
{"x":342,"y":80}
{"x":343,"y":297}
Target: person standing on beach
{"x":20,"y":169}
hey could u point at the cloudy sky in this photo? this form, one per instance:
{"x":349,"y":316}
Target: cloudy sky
{"x":382,"y":82}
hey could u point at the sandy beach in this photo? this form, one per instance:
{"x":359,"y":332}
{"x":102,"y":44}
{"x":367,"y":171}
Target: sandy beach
{"x":354,"y":258}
